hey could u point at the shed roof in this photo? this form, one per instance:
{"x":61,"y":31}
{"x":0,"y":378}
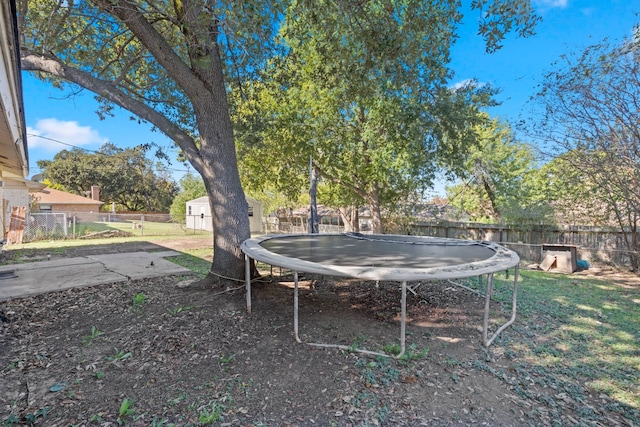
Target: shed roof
{"x":205,"y":199}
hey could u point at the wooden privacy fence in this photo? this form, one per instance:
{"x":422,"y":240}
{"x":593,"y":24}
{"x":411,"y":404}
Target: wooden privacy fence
{"x":598,"y":245}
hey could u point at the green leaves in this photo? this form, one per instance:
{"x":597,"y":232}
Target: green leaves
{"x":499,"y":178}
{"x":500,"y":17}
{"x":362,"y":89}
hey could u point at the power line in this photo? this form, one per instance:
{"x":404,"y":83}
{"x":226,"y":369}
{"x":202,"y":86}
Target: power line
{"x":63,"y":143}
{"x":89,"y":150}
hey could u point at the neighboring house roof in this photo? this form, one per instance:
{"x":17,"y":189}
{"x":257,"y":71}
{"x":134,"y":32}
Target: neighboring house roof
{"x":57,"y":197}
{"x":14,"y":158}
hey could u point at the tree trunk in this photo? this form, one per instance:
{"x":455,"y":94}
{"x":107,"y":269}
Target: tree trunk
{"x":346,"y":219}
{"x":222,"y":180}
{"x":313,"y":206}
{"x":373,"y":200}
{"x":350,"y":219}
{"x":355,"y":219}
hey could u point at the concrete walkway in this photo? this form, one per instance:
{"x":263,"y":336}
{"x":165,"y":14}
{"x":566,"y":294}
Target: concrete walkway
{"x":20,"y":280}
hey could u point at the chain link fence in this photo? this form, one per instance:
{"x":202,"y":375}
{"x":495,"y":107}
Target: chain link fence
{"x":85,"y":225}
{"x":45,"y":226}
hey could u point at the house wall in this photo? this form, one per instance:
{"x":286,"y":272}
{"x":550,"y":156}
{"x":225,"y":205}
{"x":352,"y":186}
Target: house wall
{"x":75,"y":208}
{"x":12,"y":193}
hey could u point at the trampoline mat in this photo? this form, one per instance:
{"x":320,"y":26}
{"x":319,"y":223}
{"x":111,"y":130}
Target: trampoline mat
{"x":385,"y":251}
{"x":382,"y":256}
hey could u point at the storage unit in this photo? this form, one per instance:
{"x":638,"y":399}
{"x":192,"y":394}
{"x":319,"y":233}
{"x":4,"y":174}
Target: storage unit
{"x":199,"y":214}
{"x":561,"y":258}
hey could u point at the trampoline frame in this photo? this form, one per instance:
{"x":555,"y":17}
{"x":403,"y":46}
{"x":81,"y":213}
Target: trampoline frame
{"x":251,"y":251}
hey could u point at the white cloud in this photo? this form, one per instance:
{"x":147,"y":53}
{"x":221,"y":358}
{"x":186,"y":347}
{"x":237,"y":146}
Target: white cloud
{"x":551,"y":4}
{"x":56,"y":135}
{"x":466,"y":84}
{"x":588,"y":11}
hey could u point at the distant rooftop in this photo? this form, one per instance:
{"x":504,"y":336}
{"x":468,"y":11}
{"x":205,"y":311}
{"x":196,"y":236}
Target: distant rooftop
{"x":51,"y":196}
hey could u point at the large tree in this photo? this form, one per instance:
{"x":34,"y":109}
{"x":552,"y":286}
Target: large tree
{"x":498,"y":178}
{"x":369,"y":101}
{"x":163,"y":62}
{"x":169,"y":63}
{"x":588,"y":110}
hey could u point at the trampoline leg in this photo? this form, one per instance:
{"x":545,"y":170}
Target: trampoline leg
{"x":295,"y":306}
{"x":403,"y":320}
{"x":487,"y":303}
{"x":247,"y":278}
{"x":485,"y":327}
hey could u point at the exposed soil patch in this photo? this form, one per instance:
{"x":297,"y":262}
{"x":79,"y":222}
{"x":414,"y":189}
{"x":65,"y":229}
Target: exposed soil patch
{"x":193,"y":356}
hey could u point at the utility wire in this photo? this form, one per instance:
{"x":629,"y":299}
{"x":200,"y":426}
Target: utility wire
{"x":89,"y":150}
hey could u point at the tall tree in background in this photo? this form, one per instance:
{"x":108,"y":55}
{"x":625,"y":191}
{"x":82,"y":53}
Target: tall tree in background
{"x":125,"y":177}
{"x":572,"y":196}
{"x":168,"y":62}
{"x":498,"y":178}
{"x":369,"y":100}
{"x":191,"y":187}
{"x":588,"y":111}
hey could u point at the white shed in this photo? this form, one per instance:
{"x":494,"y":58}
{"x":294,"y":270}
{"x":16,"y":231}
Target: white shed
{"x":199,"y":214}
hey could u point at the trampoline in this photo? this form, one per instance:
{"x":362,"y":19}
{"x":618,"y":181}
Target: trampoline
{"x":397,"y":258}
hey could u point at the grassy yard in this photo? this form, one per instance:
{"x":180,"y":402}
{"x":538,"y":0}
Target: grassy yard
{"x":574,"y":336}
{"x":576,"y":339}
{"x":196,"y":260}
{"x":137,"y":228}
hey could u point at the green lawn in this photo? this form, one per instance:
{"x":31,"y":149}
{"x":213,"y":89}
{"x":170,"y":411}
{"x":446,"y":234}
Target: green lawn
{"x":136,"y":228}
{"x":574,"y":336}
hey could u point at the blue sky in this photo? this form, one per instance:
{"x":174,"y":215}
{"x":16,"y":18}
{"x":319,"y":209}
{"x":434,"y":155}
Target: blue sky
{"x":567,"y":26}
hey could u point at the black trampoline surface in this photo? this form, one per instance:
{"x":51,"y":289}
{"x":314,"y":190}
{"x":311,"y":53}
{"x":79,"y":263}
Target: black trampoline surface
{"x":382,"y":256}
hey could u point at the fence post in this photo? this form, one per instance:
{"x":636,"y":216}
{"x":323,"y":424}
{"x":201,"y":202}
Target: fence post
{"x":142,"y":225}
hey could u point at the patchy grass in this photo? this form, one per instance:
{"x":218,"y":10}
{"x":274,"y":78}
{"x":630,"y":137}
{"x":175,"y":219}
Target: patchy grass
{"x":60,"y":246}
{"x":572,"y":354}
{"x":51,"y":249}
{"x":575,"y":337}
{"x":137,"y":228}
{"x":196,"y":260}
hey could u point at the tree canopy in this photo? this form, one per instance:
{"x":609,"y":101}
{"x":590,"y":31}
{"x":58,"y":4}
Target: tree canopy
{"x":125,"y":177}
{"x":370,"y":101}
{"x":499,"y":178}
{"x":172,"y":63}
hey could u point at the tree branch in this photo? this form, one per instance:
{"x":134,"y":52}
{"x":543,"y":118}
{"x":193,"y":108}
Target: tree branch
{"x":49,"y":64}
{"x":129,"y":13}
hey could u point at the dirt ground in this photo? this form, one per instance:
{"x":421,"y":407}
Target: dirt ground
{"x":167,"y":351}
